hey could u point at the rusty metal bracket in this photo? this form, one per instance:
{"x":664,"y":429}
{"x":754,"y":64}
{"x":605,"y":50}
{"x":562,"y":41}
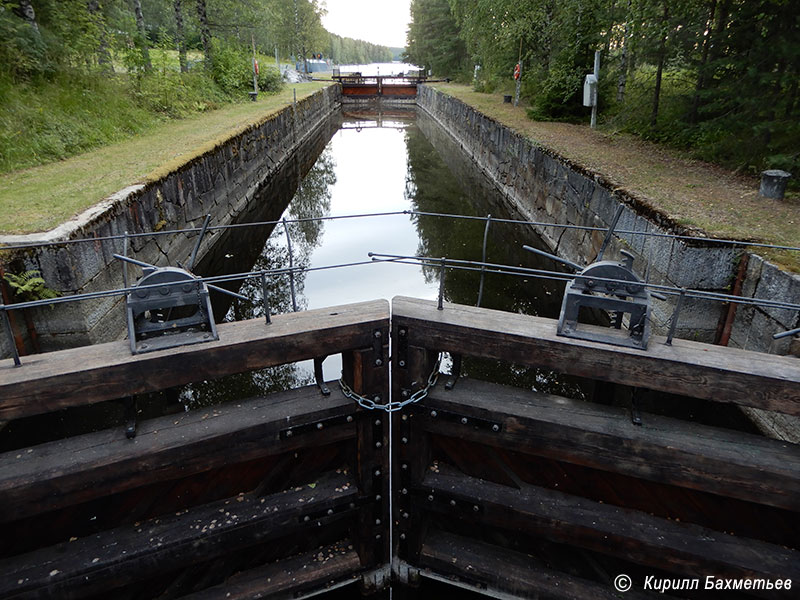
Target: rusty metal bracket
{"x":318,"y":376}
{"x":377,"y":432}
{"x":315,"y":426}
{"x":438,"y":414}
{"x":338,"y":509}
{"x":377,"y":347}
{"x":402,"y":347}
{"x":130,"y":408}
{"x":451,"y":382}
{"x":448,"y":502}
{"x":636,"y":416}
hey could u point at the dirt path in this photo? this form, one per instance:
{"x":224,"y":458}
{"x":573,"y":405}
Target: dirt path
{"x":697,"y":195}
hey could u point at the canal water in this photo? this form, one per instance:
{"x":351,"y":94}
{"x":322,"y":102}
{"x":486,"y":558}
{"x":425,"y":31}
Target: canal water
{"x":361,"y":162}
{"x":390,"y":161}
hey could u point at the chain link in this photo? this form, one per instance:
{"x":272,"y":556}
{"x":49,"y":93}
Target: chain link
{"x":371,"y":404}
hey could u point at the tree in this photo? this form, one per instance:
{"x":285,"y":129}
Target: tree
{"x":180,"y":38}
{"x":433,"y":38}
{"x":205,"y":34}
{"x":142,"y":41}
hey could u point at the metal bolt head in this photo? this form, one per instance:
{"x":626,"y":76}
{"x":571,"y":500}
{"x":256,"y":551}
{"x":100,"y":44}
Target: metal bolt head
{"x":378,"y":497}
{"x":378,"y":362}
{"x":378,"y":536}
{"x":430,"y":498}
{"x":401,"y":332}
{"x":377,"y":521}
{"x":378,"y":444}
{"x":404,"y":418}
{"x":402,"y":536}
{"x":352,"y":505}
{"x":377,"y":472}
{"x":376,"y":399}
{"x":349,"y":418}
{"x":404,"y":466}
{"x":463,"y":420}
{"x":434,"y":414}
{"x":404,"y":440}
{"x":405,"y":515}
{"x":452,"y":502}
{"x":320,"y":425}
{"x":330,"y":511}
{"x":306,"y":518}
{"x":402,"y":363}
{"x":495,"y":427}
{"x":377,"y":334}
{"x":289,"y":433}
{"x":377,"y":422}
{"x":404,"y":491}
{"x":475,"y":508}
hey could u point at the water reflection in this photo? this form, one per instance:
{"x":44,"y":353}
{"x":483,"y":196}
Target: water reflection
{"x":392,"y":160}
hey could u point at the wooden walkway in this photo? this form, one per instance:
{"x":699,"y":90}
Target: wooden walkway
{"x":496,"y":489}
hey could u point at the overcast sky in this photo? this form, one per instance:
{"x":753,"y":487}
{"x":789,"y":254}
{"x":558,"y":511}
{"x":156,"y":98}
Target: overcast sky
{"x":378,"y":21}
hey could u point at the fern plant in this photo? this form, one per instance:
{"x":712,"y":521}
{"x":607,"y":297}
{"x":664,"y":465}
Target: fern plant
{"x":30,"y":286}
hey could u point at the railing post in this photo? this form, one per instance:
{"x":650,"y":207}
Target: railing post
{"x":10,"y":333}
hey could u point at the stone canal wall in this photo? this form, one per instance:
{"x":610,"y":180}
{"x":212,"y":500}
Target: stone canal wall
{"x":221,"y":181}
{"x":548,"y":188}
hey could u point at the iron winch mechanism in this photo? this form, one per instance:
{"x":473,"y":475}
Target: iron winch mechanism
{"x":169,"y":306}
{"x":607,"y":285}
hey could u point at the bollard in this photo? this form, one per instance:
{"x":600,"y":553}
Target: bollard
{"x":773,"y":183}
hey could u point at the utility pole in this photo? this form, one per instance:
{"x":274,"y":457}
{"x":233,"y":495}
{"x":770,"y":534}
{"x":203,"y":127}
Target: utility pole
{"x":255,"y":68}
{"x":593,"y":123}
{"x":519,"y":75}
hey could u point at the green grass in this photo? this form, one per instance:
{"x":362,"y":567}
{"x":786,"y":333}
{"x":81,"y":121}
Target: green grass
{"x":692,"y":193}
{"x":40,"y":198}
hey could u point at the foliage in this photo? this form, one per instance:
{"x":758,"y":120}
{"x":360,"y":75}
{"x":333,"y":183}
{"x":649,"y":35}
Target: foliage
{"x":433,"y":41}
{"x":29,"y":286}
{"x":705,"y":75}
{"x":356,"y":52}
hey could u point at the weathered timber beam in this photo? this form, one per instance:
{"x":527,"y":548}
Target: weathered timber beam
{"x":55,"y":380}
{"x":81,"y":468}
{"x":688,"y":368}
{"x":324,"y":568}
{"x":632,"y":535}
{"x":728,"y":463}
{"x":111,"y":559}
{"x":501,"y":570}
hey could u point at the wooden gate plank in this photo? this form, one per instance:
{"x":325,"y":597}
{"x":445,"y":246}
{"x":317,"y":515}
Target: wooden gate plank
{"x":688,"y":368}
{"x":110,"y":559}
{"x":66,"y":472}
{"x":324,"y":568}
{"x":55,"y":380}
{"x":508,"y":571}
{"x":728,"y":463}
{"x":628,"y":534}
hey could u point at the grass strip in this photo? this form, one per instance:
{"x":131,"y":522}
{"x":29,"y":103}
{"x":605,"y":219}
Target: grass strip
{"x":40,"y":198}
{"x":692,"y":193}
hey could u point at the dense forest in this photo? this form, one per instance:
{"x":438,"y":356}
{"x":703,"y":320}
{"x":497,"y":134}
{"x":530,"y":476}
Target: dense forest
{"x":75,"y":74}
{"x":719,"y":77}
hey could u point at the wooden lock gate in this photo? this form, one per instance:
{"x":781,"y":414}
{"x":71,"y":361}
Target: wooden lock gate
{"x":503,"y":491}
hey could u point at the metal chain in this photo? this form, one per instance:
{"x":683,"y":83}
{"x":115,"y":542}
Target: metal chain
{"x":371,"y":404}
